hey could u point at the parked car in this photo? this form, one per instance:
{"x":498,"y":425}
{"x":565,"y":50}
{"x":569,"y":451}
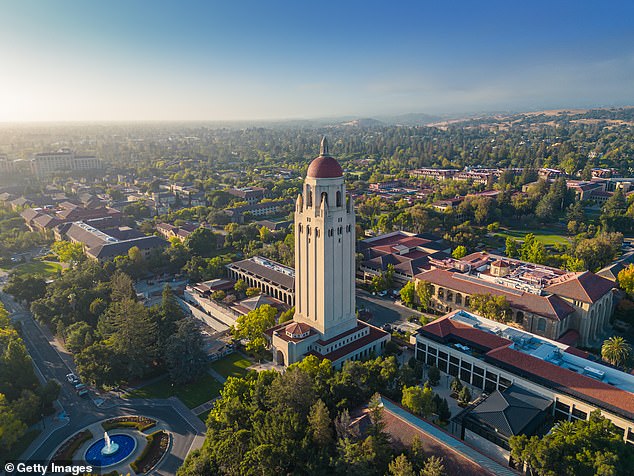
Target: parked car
{"x":81,"y":390}
{"x":72,"y":378}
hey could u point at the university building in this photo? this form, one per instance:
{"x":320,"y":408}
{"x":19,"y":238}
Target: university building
{"x":535,"y":376}
{"x":571,"y":307}
{"x":325,"y":322}
{"x":269,"y":276}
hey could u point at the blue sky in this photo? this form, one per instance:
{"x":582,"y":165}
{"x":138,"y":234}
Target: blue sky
{"x":159,"y":60}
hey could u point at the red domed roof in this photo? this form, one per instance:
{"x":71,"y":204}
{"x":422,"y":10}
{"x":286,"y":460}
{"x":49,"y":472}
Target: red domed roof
{"x":324,"y":167}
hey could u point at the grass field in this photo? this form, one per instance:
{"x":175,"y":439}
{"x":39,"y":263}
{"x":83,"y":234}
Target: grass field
{"x":46,"y":268}
{"x":192,"y":395}
{"x":548,"y":237}
{"x":234,"y":365}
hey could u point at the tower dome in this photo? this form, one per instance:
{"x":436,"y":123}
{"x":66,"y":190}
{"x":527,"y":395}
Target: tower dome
{"x":324,"y":166}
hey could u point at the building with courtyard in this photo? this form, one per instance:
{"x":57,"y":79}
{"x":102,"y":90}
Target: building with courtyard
{"x":539,"y":377}
{"x":572,"y":307}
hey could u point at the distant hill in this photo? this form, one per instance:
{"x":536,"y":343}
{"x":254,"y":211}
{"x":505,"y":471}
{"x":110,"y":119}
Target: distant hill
{"x":364,"y":122}
{"x":410,"y":119}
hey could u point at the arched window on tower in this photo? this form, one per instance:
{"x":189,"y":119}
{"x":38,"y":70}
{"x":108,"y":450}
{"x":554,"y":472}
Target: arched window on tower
{"x":309,"y":196}
{"x":324,"y":197}
{"x":338,"y":198}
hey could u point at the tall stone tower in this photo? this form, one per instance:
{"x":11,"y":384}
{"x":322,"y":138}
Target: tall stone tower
{"x":325,"y":249}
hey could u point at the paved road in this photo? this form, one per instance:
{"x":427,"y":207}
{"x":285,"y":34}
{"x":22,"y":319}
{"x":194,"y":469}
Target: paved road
{"x":51,"y":364}
{"x":384,"y":310}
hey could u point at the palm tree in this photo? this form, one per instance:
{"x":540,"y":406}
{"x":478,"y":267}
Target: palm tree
{"x":616,"y":351}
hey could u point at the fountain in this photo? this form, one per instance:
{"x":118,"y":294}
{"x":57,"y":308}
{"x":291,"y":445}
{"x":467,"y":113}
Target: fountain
{"x":109,"y":448}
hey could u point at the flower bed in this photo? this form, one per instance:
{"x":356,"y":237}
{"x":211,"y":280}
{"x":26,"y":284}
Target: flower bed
{"x":157,"y":444}
{"x":65,"y":452}
{"x":139,"y":422}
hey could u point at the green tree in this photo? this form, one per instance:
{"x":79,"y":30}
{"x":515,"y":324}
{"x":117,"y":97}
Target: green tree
{"x":456,"y":385}
{"x":512,"y":249}
{"x":400,"y":466}
{"x":433,"y":467}
{"x":11,"y":427}
{"x":459,"y":252}
{"x":201,"y":242}
{"x":424,"y":293}
{"x":464,"y":396}
{"x":98,"y":364}
{"x":593,"y":446}
{"x":616,"y":351}
{"x":286,"y":315}
{"x":250,"y":292}
{"x":408,"y":293}
{"x":240,"y":286}
{"x":26,"y":287}
{"x":134,"y":337}
{"x":252,"y":326}
{"x":492,"y":307}
{"x":78,"y":336}
{"x":626,"y":279}
{"x":68,"y":252}
{"x":265,"y":234}
{"x":418,"y":400}
{"x":184,"y":353}
{"x":320,"y":425}
{"x":444,"y":414}
{"x":433,"y":375}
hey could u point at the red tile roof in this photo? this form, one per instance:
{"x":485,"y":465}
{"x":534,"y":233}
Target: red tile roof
{"x":566,"y":381}
{"x":585,"y":286}
{"x":550,"y":306}
{"x":533,"y":368}
{"x":298,"y":328}
{"x":446,"y":327}
{"x":374,"y":335}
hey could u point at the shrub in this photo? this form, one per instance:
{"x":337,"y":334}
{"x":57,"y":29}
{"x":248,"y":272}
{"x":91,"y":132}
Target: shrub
{"x":156,"y":446}
{"x":138,"y":422}
{"x":434,"y":376}
{"x":67,"y":450}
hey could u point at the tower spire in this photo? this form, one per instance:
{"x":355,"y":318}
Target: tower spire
{"x":323,"y":148}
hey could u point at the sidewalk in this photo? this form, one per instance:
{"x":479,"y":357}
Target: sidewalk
{"x":216,"y":375}
{"x":51,"y":424}
{"x":203,"y":407}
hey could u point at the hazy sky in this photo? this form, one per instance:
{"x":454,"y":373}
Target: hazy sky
{"x":138,"y":60}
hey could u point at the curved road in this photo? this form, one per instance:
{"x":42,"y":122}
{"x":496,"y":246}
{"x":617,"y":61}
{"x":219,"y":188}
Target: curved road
{"x":53,"y":363}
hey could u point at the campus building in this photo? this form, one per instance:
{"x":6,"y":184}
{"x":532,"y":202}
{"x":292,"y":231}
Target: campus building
{"x":573,"y":307}
{"x":408,"y":253}
{"x":269,"y":276}
{"x":325,"y":322}
{"x":107,"y":243}
{"x":538,"y":377}
{"x":64,"y":160}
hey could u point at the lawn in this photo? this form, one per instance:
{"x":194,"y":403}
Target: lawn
{"x":46,"y":268}
{"x":192,"y":395}
{"x":234,"y":365}
{"x":547,"y":237}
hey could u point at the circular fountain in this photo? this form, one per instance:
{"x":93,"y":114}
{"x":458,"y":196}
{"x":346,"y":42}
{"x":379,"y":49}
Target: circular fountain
{"x":110,"y":450}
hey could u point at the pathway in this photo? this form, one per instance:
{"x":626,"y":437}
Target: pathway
{"x":203,"y":407}
{"x":216,"y":375}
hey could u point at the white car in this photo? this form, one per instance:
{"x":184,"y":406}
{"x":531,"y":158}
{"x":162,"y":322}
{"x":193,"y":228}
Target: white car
{"x":72,"y":378}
